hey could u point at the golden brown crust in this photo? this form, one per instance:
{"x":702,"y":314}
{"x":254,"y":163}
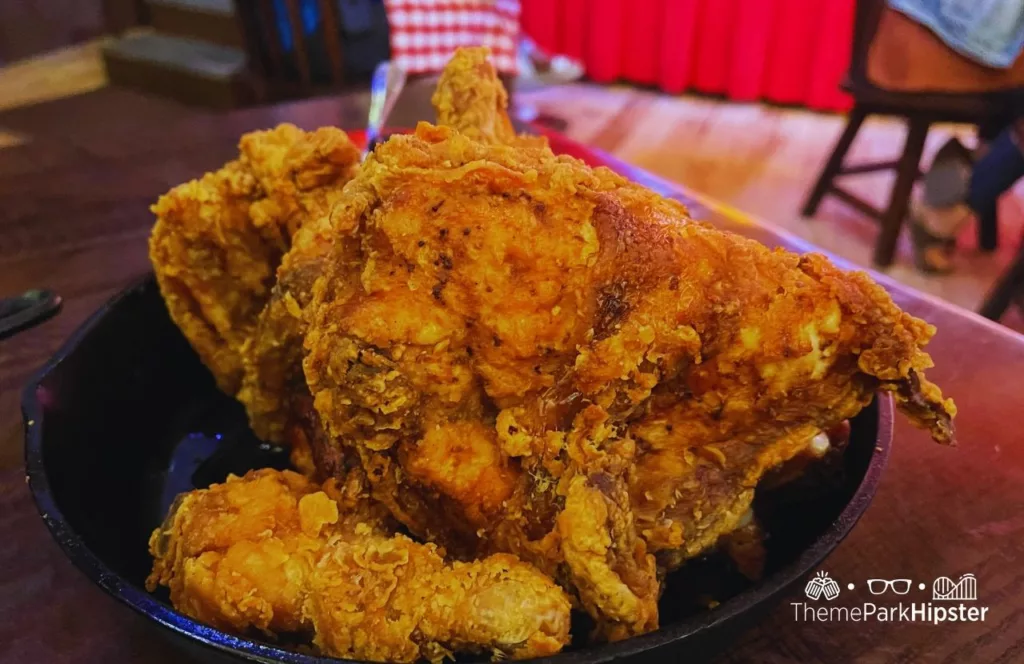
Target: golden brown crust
{"x":509,"y":353}
{"x":498,"y":293}
{"x":397,"y":601}
{"x":273,"y":388}
{"x":276,"y":552}
{"x":213,"y":268}
{"x":471,"y":99}
{"x":218,"y":240}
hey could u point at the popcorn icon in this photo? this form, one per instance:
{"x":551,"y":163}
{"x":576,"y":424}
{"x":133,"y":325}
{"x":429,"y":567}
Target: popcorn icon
{"x":822,"y":585}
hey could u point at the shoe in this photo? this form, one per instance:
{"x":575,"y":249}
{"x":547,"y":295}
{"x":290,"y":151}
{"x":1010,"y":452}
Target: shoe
{"x":949,"y":177}
{"x":537,"y":69}
{"x":932,"y":253}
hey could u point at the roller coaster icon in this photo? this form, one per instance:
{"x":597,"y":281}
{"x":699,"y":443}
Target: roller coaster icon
{"x":945,"y":589}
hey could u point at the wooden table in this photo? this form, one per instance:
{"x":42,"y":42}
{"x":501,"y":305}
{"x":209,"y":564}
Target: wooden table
{"x":73,"y":217}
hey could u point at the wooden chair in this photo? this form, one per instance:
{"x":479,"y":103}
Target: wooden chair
{"x":287,"y":73}
{"x":919,"y":111}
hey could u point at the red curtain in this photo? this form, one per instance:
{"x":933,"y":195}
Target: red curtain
{"x":785,"y":51}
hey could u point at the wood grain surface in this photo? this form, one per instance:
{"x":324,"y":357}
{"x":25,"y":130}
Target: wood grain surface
{"x":907,"y":56}
{"x":73,"y":217}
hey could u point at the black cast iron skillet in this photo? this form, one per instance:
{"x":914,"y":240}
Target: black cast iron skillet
{"x":125,"y":416}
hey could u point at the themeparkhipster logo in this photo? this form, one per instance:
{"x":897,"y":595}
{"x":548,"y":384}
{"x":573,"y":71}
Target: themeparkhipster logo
{"x":943,"y":600}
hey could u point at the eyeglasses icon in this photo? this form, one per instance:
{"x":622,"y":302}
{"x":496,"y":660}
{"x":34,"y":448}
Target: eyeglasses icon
{"x":898,"y":586}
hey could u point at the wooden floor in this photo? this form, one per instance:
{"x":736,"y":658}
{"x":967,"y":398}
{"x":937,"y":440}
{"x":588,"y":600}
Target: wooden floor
{"x":58,"y":74}
{"x":759,"y":159}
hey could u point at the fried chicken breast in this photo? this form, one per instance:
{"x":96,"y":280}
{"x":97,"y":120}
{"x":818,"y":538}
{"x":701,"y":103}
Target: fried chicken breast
{"x":537,"y":357}
{"x":469,"y":97}
{"x":275,"y":552}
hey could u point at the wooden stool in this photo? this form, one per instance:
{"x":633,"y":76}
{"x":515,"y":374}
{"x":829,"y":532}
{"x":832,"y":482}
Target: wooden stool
{"x":918,"y":109}
{"x":1008,"y":288}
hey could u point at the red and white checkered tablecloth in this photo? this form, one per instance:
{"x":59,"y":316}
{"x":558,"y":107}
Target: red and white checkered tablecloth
{"x":425,"y":33}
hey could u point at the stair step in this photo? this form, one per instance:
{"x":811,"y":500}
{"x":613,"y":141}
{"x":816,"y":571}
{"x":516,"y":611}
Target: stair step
{"x":188,"y":70}
{"x":208,"y":6}
{"x":192,"y":55}
{"x":210,"y":20}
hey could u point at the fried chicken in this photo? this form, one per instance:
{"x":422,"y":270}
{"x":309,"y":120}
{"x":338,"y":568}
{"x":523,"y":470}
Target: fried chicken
{"x":275,"y":552}
{"x":532,"y":356}
{"x":273,"y":387}
{"x":218,"y":240}
{"x":471,"y":99}
{"x":507,"y":352}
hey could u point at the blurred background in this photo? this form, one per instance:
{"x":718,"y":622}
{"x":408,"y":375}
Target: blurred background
{"x":816,"y":116}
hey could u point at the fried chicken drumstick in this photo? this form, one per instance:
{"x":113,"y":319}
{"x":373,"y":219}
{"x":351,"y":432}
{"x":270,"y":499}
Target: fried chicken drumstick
{"x":275,"y":552}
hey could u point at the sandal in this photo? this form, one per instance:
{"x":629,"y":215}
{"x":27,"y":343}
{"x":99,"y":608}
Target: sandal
{"x":932,"y":253}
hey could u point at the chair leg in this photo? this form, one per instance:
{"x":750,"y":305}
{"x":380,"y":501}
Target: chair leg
{"x":906,"y":172}
{"x":1002,"y":292}
{"x":988,"y":229}
{"x":835,"y":162}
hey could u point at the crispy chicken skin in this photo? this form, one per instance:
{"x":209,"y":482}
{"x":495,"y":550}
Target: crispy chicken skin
{"x":471,"y":99}
{"x":276,"y":552}
{"x":273,"y":388}
{"x":218,"y":240}
{"x":395,"y":600}
{"x":537,"y":357}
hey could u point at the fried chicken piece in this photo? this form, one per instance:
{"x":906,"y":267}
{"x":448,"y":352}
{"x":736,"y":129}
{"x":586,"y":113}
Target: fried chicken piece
{"x":276,"y":552}
{"x":218,"y":240}
{"x":532,"y":356}
{"x":398,"y":601}
{"x":236,"y":555}
{"x":471,"y":99}
{"x":273,"y":388}
{"x":608,"y":564}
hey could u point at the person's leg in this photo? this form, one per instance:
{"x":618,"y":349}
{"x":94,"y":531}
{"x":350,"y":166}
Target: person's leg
{"x":992,"y":175}
{"x":953,"y":187}
{"x":990,"y":128}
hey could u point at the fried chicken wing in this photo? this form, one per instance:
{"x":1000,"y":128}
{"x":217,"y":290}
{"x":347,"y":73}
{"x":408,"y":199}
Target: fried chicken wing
{"x":218,"y":240}
{"x":533,"y":356}
{"x":276,"y":552}
{"x":471,"y":99}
